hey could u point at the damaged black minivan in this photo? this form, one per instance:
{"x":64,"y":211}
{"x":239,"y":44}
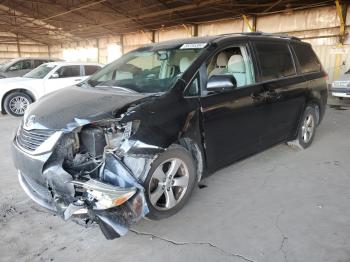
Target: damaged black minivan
{"x":135,"y":138}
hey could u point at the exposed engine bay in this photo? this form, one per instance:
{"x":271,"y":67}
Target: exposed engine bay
{"x":105,"y":176}
{"x":92,"y":176}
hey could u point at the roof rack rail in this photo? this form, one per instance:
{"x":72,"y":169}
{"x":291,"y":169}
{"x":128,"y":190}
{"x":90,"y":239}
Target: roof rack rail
{"x":270,"y":34}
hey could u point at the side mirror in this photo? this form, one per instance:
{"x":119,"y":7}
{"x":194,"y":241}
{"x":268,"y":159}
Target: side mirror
{"x":55,"y":75}
{"x":221,"y":83}
{"x":12,"y":68}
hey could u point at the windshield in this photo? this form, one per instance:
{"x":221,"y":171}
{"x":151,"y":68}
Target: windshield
{"x":40,"y":72}
{"x":146,"y":71}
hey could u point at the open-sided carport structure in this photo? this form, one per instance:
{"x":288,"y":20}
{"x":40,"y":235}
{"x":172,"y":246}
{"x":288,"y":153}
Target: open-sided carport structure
{"x":50,"y":22}
{"x":48,"y":27}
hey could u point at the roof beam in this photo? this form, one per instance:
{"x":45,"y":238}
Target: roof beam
{"x":31,"y":21}
{"x":92,"y":3}
{"x":157,"y":13}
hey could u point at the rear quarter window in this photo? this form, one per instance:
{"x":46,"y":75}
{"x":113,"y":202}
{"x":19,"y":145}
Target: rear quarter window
{"x":91,"y":69}
{"x":39,"y":62}
{"x":307,"y":58}
{"x":69,"y":71}
{"x":275,"y":60}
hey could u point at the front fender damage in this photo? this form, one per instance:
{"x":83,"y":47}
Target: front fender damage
{"x":96,"y":171}
{"x":95,"y":176}
{"x":115,"y":204}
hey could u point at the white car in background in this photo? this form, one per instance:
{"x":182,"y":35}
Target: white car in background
{"x":341,"y":87}
{"x":18,"y":92}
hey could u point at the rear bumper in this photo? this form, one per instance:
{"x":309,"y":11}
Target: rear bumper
{"x":338,"y":98}
{"x":340,"y":92}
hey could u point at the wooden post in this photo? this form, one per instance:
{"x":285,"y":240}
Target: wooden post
{"x":18,"y":46}
{"x":98,"y":49}
{"x":254,"y":23}
{"x":122,"y":44}
{"x":195,"y":30}
{"x":49,"y":50}
{"x":153,"y":36}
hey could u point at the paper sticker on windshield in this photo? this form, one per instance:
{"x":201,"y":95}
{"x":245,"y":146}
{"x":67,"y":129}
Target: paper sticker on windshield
{"x":193,"y":46}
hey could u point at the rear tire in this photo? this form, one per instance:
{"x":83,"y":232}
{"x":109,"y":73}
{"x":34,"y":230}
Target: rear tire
{"x":170,"y":182}
{"x":16,"y":103}
{"x":307,"y":129}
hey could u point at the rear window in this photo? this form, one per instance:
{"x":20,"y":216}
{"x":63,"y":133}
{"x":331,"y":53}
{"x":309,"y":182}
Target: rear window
{"x":307,"y":59}
{"x":91,"y":69}
{"x":275,"y":60}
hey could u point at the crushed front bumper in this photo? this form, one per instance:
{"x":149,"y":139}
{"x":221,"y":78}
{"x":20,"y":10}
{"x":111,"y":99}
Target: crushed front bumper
{"x":50,"y":186}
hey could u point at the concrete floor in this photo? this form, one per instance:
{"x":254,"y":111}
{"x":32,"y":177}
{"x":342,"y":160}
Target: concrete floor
{"x":279,"y":205}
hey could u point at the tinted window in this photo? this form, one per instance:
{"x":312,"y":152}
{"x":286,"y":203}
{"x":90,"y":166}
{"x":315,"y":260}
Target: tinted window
{"x":68,"y":71}
{"x":193,"y":88}
{"x":39,"y":62}
{"x":21,"y":65}
{"x":91,"y":69}
{"x":307,"y":59}
{"x":275,"y":60}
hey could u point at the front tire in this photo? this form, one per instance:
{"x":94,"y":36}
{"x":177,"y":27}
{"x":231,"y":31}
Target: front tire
{"x":170,"y":182}
{"x":307,"y":129}
{"x":16,"y":103}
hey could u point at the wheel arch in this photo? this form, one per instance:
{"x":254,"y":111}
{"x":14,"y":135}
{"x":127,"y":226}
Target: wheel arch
{"x":196,"y":152}
{"x":21,"y":90}
{"x":317,"y":105}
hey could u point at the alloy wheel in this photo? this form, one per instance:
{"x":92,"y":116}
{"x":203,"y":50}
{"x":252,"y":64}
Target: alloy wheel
{"x":18,"y":104}
{"x":168,"y":184}
{"x":307,"y":128}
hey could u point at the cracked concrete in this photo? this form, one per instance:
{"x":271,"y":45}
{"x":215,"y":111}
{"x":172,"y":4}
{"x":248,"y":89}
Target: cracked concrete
{"x":176,"y":243}
{"x":279,"y":205}
{"x":284,"y":241}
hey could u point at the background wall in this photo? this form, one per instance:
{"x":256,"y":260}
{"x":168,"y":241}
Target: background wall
{"x":10,"y":50}
{"x":318,"y":26}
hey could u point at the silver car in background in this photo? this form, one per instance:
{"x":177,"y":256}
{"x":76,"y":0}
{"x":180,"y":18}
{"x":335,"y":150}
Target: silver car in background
{"x":21,"y":66}
{"x":340,"y":91}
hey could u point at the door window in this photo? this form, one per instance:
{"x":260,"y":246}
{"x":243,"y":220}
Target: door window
{"x":91,"y":69}
{"x":232,"y":61}
{"x":308,"y":61}
{"x":275,"y":60}
{"x":68,"y":71}
{"x":39,"y":62}
{"x":193,"y":88}
{"x":21,"y":65}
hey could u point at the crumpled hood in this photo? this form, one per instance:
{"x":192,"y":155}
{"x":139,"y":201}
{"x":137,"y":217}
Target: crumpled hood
{"x":75,"y":106}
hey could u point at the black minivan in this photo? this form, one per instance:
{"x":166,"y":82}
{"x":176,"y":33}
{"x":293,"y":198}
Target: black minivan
{"x":135,"y":138}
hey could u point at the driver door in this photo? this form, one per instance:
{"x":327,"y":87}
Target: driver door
{"x":232,"y":120}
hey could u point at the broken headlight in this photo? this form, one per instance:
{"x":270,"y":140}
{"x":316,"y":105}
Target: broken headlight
{"x":105,"y":195}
